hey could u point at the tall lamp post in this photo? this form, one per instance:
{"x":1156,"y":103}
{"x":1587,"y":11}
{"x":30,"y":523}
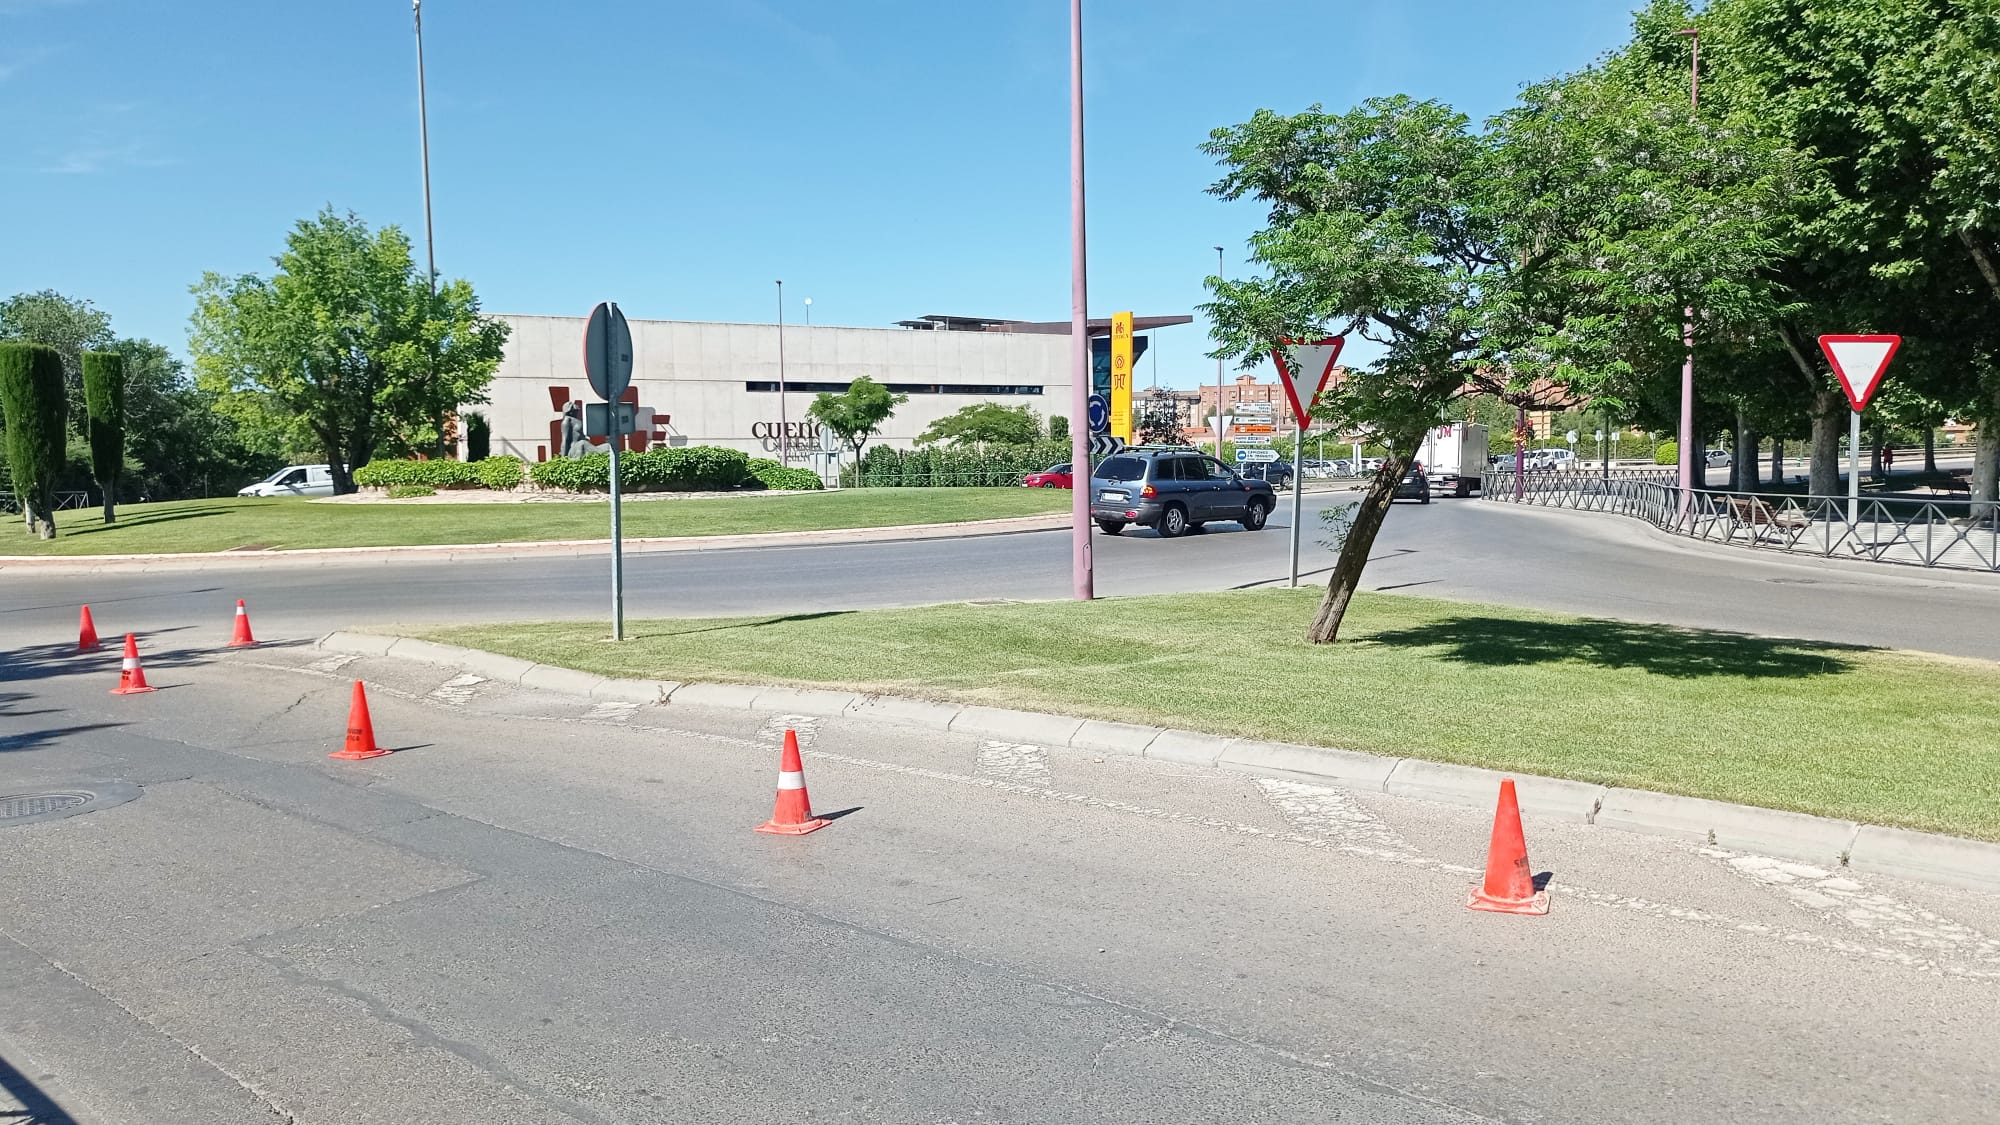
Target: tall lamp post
{"x":809,"y":321}
{"x":1687,"y":312}
{"x":784,"y":445}
{"x":424,"y":136}
{"x":1081,"y":579}
{"x":1218,"y":370}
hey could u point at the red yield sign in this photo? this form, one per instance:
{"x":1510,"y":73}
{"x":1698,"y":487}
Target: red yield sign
{"x":1859,"y":362}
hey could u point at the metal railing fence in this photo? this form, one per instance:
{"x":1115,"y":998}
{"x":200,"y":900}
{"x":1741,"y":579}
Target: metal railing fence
{"x":1909,"y":531}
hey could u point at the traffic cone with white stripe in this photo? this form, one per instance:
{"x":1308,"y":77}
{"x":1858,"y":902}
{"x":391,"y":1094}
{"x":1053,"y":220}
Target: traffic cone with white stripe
{"x":131,"y":677}
{"x":86,"y":633}
{"x":242,"y":639}
{"x":793,"y":815}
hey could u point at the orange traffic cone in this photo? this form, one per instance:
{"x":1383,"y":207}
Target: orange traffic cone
{"x":1510,"y":886}
{"x":86,"y":633}
{"x":242,"y":639}
{"x":131,"y":677}
{"x":793,"y":815}
{"x":360,"y":731}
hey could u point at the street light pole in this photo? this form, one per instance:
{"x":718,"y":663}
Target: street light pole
{"x":1687,"y":312}
{"x":1081,"y":563}
{"x":1218,"y":370}
{"x":809,"y":321}
{"x":784,"y":446}
{"x":424,"y":135}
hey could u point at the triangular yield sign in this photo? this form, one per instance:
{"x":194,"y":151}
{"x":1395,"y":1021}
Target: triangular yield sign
{"x":1859,"y":362}
{"x":1314,"y":361}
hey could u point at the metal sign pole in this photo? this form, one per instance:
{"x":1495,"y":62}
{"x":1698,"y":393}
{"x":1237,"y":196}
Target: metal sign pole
{"x":1298,"y":496}
{"x":617,"y":536}
{"x":1854,"y":471}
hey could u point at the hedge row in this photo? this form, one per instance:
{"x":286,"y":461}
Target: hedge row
{"x":990,"y":466}
{"x":493,"y":472}
{"x":778,"y":476}
{"x":686,"y":469}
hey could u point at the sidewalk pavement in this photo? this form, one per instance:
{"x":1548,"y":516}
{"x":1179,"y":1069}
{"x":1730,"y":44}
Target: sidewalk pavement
{"x":1878,"y":849}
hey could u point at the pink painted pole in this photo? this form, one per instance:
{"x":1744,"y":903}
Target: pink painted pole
{"x":1082,"y":587}
{"x":1687,"y":322}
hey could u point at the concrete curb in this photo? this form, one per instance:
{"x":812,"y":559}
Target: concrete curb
{"x":571,"y":548}
{"x":1922,"y":856}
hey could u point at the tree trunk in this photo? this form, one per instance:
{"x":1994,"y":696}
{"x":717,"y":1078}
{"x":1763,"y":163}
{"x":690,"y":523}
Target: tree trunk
{"x":1354,"y":549}
{"x":1777,"y":461}
{"x":1828,"y":420}
{"x":1875,"y":452}
{"x":1986,"y":459}
{"x":1930,"y":449}
{"x":1745,"y":459}
{"x":110,"y":514}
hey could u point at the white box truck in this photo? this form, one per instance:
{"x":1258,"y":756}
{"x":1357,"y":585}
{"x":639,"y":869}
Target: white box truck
{"x":1454,"y":457}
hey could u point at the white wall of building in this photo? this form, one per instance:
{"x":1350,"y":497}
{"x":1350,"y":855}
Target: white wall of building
{"x":695,"y":374}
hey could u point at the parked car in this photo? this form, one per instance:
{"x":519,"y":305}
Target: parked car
{"x":1548,"y":460}
{"x":1719,"y":459}
{"x":1176,"y":492}
{"x":1277,"y":473}
{"x":1372,"y":464}
{"x":1055,"y":476}
{"x":1415,"y":486}
{"x":293,"y":480}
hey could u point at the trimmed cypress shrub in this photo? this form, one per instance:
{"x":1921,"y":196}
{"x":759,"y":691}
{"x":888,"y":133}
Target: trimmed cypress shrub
{"x":478,"y":437}
{"x":34,"y":404}
{"x":104,"y":404}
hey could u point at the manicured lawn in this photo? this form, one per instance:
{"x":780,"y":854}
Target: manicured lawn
{"x":1886,"y":737}
{"x":221,"y":525}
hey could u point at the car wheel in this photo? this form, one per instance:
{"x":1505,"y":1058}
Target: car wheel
{"x":1173,"y":522}
{"x":1425,"y":498}
{"x":1255,"y":515}
{"x":1048,"y":484}
{"x":1111,"y":527}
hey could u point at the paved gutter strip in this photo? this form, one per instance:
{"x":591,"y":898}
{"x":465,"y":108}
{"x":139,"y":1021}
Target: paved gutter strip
{"x":1922,"y":856}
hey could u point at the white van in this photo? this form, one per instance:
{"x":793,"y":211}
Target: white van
{"x":293,"y":480}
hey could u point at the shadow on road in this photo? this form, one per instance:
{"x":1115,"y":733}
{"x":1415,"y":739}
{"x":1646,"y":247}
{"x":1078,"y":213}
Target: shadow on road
{"x":41,"y":662}
{"x":1660,"y":649}
{"x":30,"y":740}
{"x":37,"y":1108}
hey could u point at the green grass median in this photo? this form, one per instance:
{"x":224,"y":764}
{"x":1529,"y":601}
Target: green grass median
{"x":292,"y":524}
{"x":1886,"y":737}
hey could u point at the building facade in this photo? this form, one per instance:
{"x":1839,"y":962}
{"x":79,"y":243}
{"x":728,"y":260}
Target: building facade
{"x":698,"y":383}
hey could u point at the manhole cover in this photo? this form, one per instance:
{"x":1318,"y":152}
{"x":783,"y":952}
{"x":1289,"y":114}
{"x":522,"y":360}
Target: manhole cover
{"x":18,"y":805}
{"x":54,"y":804}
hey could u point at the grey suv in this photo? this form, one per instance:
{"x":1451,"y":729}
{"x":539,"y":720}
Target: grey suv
{"x":1174,"y":490}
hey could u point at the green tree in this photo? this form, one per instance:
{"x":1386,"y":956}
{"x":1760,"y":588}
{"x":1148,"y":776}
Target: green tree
{"x":1159,"y":421}
{"x":1058,"y":428}
{"x":478,"y":437}
{"x":104,"y":401}
{"x":344,"y":349}
{"x":857,"y":413}
{"x":984,"y":423}
{"x":70,"y":326}
{"x":33,"y":403}
{"x":1385,"y":221}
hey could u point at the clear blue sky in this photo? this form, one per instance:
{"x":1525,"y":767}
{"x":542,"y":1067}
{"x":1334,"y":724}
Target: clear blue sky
{"x":887,"y":158}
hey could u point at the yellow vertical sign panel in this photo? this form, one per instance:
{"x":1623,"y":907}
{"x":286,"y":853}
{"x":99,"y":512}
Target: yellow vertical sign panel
{"x":1121,"y":376}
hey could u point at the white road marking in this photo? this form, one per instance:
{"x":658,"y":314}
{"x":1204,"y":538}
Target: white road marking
{"x":1839,"y":895}
{"x":611,"y":711}
{"x":1588,"y":895}
{"x":457,"y":691}
{"x":333,"y":663}
{"x":1014,"y":761}
{"x":805,"y":726}
{"x":1327,"y":811}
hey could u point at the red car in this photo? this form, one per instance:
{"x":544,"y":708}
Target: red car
{"x":1055,"y":476}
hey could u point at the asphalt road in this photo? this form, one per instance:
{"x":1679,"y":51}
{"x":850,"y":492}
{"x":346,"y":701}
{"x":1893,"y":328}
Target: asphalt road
{"x":548,"y":911}
{"x":1468,"y":550}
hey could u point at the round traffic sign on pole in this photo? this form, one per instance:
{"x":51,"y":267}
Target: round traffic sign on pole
{"x":607,"y":351}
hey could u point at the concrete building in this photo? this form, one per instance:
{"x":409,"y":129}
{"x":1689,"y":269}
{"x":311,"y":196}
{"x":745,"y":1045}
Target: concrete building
{"x":697,"y":383}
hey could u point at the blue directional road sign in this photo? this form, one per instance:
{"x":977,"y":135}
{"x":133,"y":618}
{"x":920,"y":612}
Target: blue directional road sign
{"x":1100,"y":414}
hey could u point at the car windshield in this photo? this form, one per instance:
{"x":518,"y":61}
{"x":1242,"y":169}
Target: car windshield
{"x":1062,"y":468}
{"x":1122,"y":468}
